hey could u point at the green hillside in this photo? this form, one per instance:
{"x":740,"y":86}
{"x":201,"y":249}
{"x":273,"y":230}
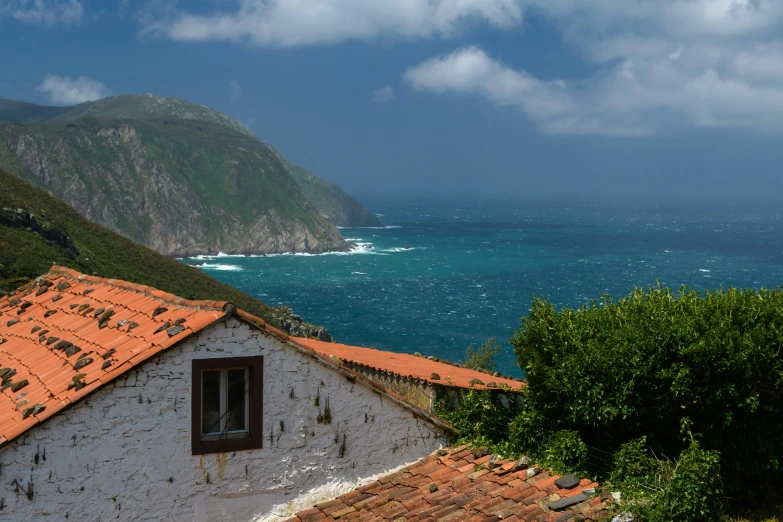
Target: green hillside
{"x":38,"y":230}
{"x":148,"y":107}
{"x":336,"y":204}
{"x":23,"y":112}
{"x":181,"y":187}
{"x":175,"y":176}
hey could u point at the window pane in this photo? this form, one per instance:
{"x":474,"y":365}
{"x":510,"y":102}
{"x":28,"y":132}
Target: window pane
{"x":210,"y":401}
{"x":236,"y":400}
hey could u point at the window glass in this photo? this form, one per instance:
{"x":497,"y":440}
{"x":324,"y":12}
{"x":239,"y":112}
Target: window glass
{"x":236,"y":399}
{"x":210,"y":401}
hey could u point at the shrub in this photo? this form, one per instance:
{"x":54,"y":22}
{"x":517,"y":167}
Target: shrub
{"x":482,"y":356}
{"x":615,"y":371}
{"x":565,"y":452}
{"x":659,"y":490}
{"x":479,"y":416}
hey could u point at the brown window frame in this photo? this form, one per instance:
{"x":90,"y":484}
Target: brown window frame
{"x":254,"y":440}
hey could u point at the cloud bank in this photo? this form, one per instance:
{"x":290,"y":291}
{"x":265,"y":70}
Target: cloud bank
{"x":703,"y":63}
{"x":657,"y":65}
{"x":67,"y":91}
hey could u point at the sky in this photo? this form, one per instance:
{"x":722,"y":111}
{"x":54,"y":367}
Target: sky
{"x":615,"y":99}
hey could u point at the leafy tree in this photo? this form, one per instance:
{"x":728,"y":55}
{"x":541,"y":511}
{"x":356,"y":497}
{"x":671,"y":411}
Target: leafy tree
{"x":482,"y":356}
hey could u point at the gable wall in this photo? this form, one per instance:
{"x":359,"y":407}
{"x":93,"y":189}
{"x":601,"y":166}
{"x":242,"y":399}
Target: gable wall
{"x":124,"y":452}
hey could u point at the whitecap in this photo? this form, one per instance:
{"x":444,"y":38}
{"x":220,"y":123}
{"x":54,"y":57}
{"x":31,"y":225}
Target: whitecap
{"x":219,"y":266}
{"x":703,"y":270}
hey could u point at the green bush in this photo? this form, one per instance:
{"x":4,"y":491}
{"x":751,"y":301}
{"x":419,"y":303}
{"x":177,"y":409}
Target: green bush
{"x":659,"y":490}
{"x":615,"y":371}
{"x":482,"y":356}
{"x":565,"y":452}
{"x":479,"y":416}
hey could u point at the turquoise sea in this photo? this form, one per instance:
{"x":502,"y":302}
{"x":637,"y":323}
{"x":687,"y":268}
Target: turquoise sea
{"x":443,"y":274}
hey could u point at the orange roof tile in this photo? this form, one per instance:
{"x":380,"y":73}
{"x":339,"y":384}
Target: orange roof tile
{"x":83,"y":318}
{"x":410,"y":366}
{"x":458,"y":484}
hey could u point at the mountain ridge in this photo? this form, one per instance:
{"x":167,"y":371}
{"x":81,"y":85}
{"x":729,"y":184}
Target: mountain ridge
{"x":139,"y":176}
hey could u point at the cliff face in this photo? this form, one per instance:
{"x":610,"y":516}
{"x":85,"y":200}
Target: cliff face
{"x":181,"y":187}
{"x":176,"y":176}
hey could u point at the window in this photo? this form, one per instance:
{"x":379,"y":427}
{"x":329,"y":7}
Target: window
{"x":227,"y":404}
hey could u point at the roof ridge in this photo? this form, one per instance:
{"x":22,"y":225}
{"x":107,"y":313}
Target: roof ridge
{"x":143,"y":289}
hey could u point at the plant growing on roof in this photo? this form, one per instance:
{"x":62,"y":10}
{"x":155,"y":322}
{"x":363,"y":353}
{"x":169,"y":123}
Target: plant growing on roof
{"x":482,"y":357}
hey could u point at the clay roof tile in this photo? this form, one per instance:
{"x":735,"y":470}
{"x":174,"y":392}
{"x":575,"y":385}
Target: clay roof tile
{"x":437,"y":495}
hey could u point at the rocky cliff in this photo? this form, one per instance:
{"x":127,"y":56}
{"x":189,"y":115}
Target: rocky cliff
{"x":176,"y":176}
{"x":181,"y":187}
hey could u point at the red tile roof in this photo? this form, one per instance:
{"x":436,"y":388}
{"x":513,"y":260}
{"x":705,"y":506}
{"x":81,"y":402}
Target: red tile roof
{"x":464,"y":484}
{"x":66,"y":334}
{"x":410,"y":366}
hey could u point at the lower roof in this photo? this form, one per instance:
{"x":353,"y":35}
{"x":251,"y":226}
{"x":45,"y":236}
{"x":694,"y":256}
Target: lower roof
{"x":413,"y":366}
{"x":466,"y":483}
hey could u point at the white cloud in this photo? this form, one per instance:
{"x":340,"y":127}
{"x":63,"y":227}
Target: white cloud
{"x":623,"y":100}
{"x":658,"y":65}
{"x":236,"y":91}
{"x":383,"y":94}
{"x":69,"y":91}
{"x":44,"y":12}
{"x":308,"y":22}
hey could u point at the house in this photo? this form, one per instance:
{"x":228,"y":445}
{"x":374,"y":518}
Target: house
{"x":119,"y":401}
{"x":467,"y":484}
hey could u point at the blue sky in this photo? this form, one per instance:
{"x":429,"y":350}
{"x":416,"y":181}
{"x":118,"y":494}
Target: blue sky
{"x":611,"y":98}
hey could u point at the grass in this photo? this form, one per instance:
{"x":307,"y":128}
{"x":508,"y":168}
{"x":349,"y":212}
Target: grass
{"x":26,"y":253}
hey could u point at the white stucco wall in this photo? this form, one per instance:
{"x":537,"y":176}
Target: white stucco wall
{"x":124,"y":452}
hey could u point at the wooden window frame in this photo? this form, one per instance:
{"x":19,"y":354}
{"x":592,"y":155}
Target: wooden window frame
{"x":254,"y":440}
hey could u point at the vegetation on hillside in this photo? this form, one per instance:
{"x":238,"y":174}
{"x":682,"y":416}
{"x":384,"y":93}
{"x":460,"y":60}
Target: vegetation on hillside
{"x":671,"y":398}
{"x":336,"y":204}
{"x":38,"y":230}
{"x":178,"y":186}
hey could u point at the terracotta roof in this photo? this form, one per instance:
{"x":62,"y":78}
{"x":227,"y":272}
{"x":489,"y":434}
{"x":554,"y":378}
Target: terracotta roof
{"x":67,"y":334}
{"x":465,"y":484}
{"x":410,"y":366}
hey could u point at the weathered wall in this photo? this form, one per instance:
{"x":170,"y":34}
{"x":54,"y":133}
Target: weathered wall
{"x":124,"y":452}
{"x":425,"y":395}
{"x":420,"y":393}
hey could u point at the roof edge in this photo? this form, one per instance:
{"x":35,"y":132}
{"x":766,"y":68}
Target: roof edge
{"x":223,"y":306}
{"x":345,"y":371}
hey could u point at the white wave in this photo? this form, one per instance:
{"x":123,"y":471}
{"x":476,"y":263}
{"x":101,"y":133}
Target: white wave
{"x":219,"y":266}
{"x":401,"y":249}
{"x":703,"y":270}
{"x":222,"y":255}
{"x":386,"y":227}
{"x":359,"y":273}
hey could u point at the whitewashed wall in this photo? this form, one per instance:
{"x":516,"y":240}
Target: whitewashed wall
{"x":124,"y":453}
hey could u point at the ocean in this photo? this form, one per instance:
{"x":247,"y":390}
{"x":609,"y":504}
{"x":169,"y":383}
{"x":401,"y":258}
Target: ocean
{"x":444,"y":274}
